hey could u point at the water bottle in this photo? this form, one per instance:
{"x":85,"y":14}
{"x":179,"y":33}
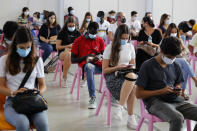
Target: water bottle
{"x":150,"y":39}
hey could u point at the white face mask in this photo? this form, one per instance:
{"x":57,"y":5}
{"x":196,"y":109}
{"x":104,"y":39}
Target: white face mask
{"x":72,"y":12}
{"x":167,"y":60}
{"x":27,"y":13}
{"x":7,"y":41}
{"x":173,"y":34}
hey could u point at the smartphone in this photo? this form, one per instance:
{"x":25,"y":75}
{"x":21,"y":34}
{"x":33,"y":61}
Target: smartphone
{"x":177,"y":89}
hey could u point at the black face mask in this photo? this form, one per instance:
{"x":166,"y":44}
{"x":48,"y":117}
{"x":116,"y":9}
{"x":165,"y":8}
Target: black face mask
{"x":123,"y":20}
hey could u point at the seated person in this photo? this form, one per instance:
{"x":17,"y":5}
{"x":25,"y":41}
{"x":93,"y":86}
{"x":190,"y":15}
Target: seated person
{"x":159,"y":85}
{"x":87,"y":19}
{"x":119,"y":55}
{"x":48,"y":35}
{"x":193,"y":44}
{"x":83,"y":51}
{"x":65,"y":40}
{"x":9,"y":29}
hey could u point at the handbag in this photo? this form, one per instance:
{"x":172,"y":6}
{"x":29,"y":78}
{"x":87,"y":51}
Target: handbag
{"x":147,"y":48}
{"x":30,"y":101}
{"x":123,"y":72}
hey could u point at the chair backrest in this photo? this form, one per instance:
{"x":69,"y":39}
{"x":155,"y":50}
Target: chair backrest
{"x":134,"y":42}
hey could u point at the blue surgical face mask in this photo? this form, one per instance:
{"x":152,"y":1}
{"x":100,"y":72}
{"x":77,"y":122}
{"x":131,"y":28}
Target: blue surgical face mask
{"x":7,"y":41}
{"x":98,"y":19}
{"x":88,"y":20}
{"x":123,"y":42}
{"x":91,"y":36}
{"x":23,"y":53}
{"x":168,"y":22}
{"x":71,"y":29}
{"x":134,"y":18}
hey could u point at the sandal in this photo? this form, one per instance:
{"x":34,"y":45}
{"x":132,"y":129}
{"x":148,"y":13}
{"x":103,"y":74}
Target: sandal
{"x":186,"y":97}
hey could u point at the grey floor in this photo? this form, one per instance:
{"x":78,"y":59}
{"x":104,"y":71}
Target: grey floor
{"x":65,"y":113}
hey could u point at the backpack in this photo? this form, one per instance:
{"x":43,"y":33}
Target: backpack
{"x":51,"y":66}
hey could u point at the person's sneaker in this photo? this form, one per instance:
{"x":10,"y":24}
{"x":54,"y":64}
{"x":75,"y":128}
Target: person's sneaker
{"x":64,"y":83}
{"x":118,"y":112}
{"x":83,"y":83}
{"x":132,"y":123}
{"x":92,"y":103}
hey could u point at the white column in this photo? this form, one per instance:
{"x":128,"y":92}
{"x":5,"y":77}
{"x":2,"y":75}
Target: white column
{"x":149,"y":6}
{"x":61,"y":12}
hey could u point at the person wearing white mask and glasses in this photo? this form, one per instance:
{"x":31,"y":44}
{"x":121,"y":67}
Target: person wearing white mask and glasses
{"x":65,"y":39}
{"x":86,"y":21}
{"x":184,"y":65}
{"x":9,"y":29}
{"x":23,"y":19}
{"x":71,"y":12}
{"x":134,"y":25}
{"x":164,"y":22}
{"x":111,"y":17}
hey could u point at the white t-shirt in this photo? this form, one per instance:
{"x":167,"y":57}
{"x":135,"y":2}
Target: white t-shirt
{"x":13,"y":82}
{"x":127,"y":53}
{"x":136,"y":26}
{"x":112,"y":28}
{"x":103,"y":28}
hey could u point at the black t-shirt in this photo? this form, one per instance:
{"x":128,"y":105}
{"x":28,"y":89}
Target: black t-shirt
{"x":44,"y":31}
{"x":67,"y":37}
{"x":184,"y":27}
{"x":162,"y":29}
{"x":156,"y":36}
{"x":154,"y":77}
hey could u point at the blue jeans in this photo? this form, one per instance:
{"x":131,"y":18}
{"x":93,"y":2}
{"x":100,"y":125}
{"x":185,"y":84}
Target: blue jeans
{"x":47,"y":48}
{"x":90,"y":70}
{"x":22,"y":122}
{"x":186,"y":70}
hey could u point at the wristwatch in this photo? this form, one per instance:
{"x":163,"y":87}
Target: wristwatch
{"x":12,"y":93}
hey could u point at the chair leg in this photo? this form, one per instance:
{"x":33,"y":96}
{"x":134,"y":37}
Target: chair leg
{"x":100,"y":103}
{"x":60,"y":75}
{"x":188,"y":123}
{"x":56,"y":70}
{"x":150,"y":125}
{"x":194,"y":65}
{"x":73,"y":84}
{"x":190,"y":86}
{"x":109,"y":108}
{"x":78,"y":85}
{"x":140,"y":124}
{"x":101,"y":83}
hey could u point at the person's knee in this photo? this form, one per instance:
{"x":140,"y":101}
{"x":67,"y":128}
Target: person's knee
{"x":89,"y":66}
{"x":178,"y":120}
{"x":22,"y":124}
{"x":131,"y":75}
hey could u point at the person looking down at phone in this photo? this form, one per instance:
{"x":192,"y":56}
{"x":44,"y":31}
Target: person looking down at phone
{"x":87,"y":51}
{"x":159,"y":85}
{"x":14,"y":66}
{"x":147,"y":36}
{"x":48,"y":35}
{"x":117,"y":56}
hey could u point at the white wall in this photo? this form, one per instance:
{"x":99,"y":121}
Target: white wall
{"x":179,"y":10}
{"x":126,"y":6}
{"x":11,"y":9}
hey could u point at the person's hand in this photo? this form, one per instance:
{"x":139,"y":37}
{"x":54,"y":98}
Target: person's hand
{"x":47,"y":40}
{"x":121,"y":67}
{"x":21,"y":90}
{"x":141,"y":42}
{"x":179,"y":92}
{"x":150,"y":43}
{"x":166,"y":90}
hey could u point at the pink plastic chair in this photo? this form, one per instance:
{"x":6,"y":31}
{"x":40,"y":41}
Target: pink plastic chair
{"x":190,"y":85}
{"x":77,"y":76}
{"x":59,"y":68}
{"x":193,"y":58}
{"x":134,"y":42}
{"x":108,"y":94}
{"x":152,"y":119}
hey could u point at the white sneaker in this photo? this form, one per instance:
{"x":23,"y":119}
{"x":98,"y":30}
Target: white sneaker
{"x":118,"y":112}
{"x":83,"y":83}
{"x":92,"y":103}
{"x":64,"y":83}
{"x":131,"y":122}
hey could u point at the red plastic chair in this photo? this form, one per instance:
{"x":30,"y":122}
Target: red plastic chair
{"x":152,"y":119}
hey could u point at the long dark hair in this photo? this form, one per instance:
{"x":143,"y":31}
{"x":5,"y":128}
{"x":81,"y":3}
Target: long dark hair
{"x":70,"y":19}
{"x":163,"y":18}
{"x":84,"y":20}
{"x":149,"y":21}
{"x":116,"y":46}
{"x":169,"y":29}
{"x":48,"y":22}
{"x":23,"y":12}
{"x":22,"y":35}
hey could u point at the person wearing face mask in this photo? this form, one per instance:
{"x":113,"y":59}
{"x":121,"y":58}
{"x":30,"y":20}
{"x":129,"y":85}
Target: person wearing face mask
{"x":184,"y":65}
{"x":24,"y":18}
{"x":14,"y":66}
{"x":48,"y":35}
{"x":164,"y":22}
{"x":9,"y":29}
{"x":134,"y":25}
{"x":159,"y":85}
{"x":147,"y":36}
{"x":111,"y":17}
{"x":37,"y":22}
{"x":118,"y":55}
{"x":87,"y":19}
{"x":85,"y":50}
{"x":193,"y":44}
{"x":120,"y":19}
{"x":65,"y":39}
{"x":103,"y":25}
{"x":71,"y":12}
{"x":184,"y":28}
